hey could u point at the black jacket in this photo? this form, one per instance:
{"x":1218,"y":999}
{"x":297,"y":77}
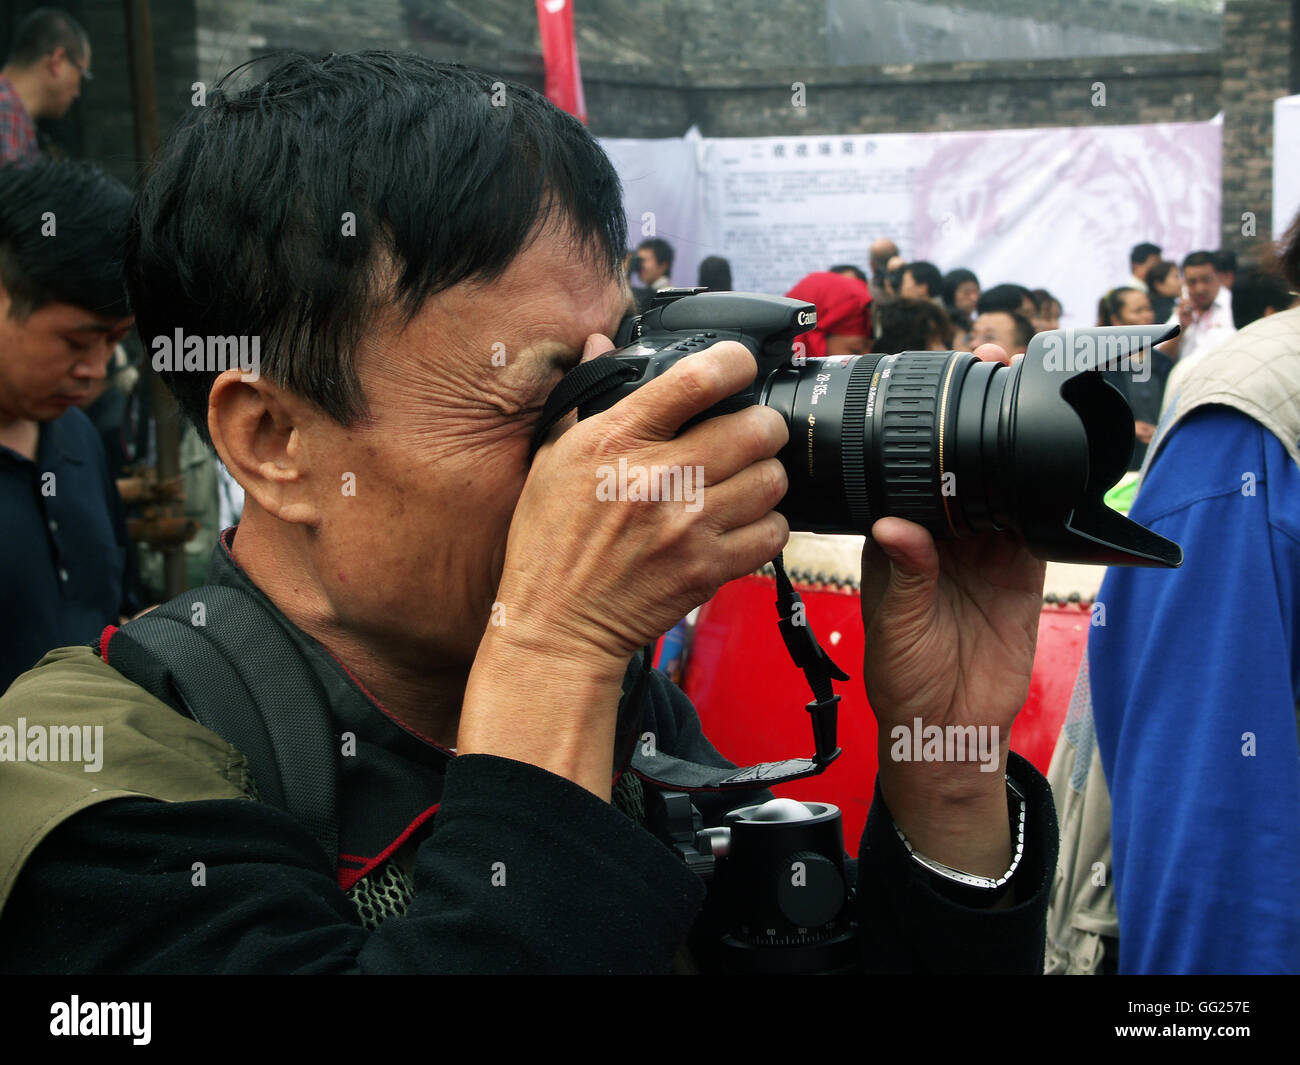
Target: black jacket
{"x":510,"y":869}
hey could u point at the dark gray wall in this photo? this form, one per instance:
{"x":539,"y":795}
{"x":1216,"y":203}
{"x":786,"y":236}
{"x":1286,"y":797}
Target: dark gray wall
{"x":929,"y":31}
{"x":653,"y":68}
{"x":1256,"y":71}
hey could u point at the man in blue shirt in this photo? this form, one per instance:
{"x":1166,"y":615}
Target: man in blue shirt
{"x":63,"y":308}
{"x":1195,"y":675}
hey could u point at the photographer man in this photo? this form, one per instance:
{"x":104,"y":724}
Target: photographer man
{"x":421,"y":268}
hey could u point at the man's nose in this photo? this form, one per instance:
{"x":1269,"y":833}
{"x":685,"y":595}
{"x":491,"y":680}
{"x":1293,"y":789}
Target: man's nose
{"x":93,"y":366}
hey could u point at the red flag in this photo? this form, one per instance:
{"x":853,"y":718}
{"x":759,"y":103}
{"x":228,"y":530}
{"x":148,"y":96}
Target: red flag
{"x":560,"y":50}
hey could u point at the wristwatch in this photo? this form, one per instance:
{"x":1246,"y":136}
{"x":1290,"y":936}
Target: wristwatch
{"x":970,"y":889}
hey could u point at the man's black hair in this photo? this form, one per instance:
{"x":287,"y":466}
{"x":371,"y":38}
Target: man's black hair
{"x":1005,"y":297}
{"x":1199,"y":258}
{"x":849,"y":270}
{"x":908,"y":325}
{"x":62,"y":229}
{"x":661,"y":249}
{"x":297,"y":208}
{"x":1225,"y":262}
{"x":927,"y":274}
{"x":952,"y":281}
{"x":715,"y":274}
{"x":1141,"y":253}
{"x":1257,"y":291}
{"x":44,"y":30}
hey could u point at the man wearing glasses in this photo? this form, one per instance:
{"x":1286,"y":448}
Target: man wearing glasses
{"x":41,"y":77}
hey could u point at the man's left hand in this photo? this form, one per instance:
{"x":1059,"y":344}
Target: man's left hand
{"x":950,"y":636}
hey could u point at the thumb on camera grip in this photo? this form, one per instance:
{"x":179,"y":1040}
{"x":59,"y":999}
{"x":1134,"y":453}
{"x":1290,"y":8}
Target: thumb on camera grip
{"x":660,"y":407}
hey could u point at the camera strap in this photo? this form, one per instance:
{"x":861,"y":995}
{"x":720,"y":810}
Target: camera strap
{"x":584,"y":382}
{"x":677,"y":774}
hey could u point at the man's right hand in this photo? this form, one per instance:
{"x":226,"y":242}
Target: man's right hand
{"x":588,"y":579}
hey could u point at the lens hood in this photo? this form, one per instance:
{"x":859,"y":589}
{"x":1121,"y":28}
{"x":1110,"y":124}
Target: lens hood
{"x":1070,"y":434}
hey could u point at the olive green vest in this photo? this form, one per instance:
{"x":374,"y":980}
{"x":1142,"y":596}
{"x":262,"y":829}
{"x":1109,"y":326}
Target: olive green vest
{"x":145,"y":749}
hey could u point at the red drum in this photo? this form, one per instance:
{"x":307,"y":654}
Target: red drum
{"x":751,"y":698}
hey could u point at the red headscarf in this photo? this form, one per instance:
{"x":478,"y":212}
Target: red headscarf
{"x":843,"y":306}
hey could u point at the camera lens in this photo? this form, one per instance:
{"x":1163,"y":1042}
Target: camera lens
{"x":874,"y":435}
{"x":962,"y":446}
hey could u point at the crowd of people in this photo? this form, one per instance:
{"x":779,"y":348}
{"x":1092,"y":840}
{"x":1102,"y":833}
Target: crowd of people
{"x":913,"y":306}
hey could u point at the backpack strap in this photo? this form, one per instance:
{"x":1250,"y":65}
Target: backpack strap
{"x":244,"y":678}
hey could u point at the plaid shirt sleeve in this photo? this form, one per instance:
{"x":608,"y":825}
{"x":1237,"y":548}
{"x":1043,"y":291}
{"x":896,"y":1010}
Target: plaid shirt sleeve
{"x":17,"y":132}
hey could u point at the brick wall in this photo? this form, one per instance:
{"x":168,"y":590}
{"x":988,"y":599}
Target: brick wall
{"x":1256,"y":71}
{"x":653,"y":68}
{"x":952,"y":96}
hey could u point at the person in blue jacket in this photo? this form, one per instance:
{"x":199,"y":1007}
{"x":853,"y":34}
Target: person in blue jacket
{"x":1195,"y":675}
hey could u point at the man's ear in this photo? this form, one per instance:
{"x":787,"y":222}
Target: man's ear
{"x":258,"y":430}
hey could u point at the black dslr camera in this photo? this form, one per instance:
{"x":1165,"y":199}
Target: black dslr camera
{"x":940,"y":438}
{"x":955,"y":444}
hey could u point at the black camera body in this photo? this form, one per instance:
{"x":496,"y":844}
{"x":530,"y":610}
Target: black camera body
{"x":958,"y":445}
{"x":679,"y":323}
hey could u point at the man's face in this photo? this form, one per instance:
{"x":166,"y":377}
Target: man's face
{"x":651,"y":268}
{"x":63,"y":81}
{"x":51,"y":360}
{"x":910,"y":289}
{"x":413,"y":559}
{"x":1202,"y":285}
{"x":966,"y":296}
{"x":995,"y":327}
